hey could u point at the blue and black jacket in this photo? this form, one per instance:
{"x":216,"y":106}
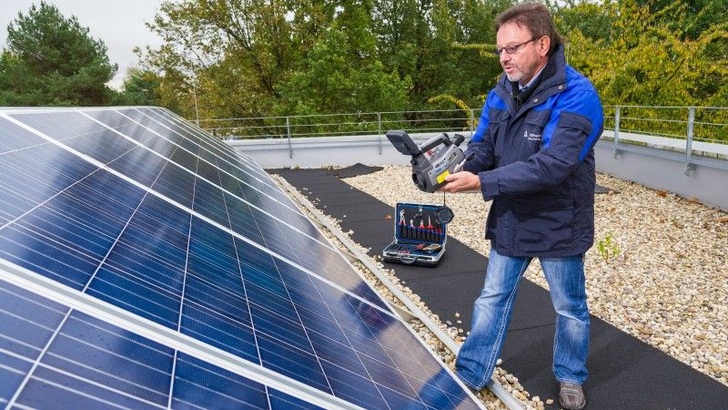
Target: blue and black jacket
{"x":535,"y":160}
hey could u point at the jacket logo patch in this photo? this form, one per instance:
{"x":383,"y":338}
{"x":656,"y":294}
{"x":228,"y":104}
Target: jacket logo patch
{"x":531,"y":136}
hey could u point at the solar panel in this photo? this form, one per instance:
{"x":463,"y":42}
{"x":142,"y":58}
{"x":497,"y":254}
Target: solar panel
{"x":145,"y":264}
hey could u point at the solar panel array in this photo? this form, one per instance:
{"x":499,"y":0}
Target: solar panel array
{"x":145,"y":264}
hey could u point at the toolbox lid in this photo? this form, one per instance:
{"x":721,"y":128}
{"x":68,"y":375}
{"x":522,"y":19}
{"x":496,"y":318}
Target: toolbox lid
{"x":419,"y":223}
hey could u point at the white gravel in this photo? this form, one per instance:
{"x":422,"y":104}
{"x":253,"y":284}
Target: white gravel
{"x":658,"y":270}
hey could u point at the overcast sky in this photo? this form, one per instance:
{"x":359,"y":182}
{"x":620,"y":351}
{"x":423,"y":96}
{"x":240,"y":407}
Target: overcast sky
{"x":118,"y":23}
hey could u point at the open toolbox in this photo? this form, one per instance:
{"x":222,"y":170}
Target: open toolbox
{"x":419,"y":235}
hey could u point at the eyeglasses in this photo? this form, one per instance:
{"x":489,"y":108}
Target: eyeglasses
{"x":512,"y":49}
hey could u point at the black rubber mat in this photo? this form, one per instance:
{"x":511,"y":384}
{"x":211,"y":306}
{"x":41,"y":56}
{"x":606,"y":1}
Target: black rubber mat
{"x":354,"y":170}
{"x":600,"y":189}
{"x":625,"y":373}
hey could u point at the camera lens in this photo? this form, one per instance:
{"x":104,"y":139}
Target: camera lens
{"x":420,"y":182}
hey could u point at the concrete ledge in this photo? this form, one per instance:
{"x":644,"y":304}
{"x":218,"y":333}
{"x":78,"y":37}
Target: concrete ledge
{"x":654,"y":162}
{"x":322,"y":152}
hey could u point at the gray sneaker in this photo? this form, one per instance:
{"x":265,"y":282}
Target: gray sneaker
{"x":571,"y":396}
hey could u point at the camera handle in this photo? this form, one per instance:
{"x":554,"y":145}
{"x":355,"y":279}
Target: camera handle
{"x":441,"y":139}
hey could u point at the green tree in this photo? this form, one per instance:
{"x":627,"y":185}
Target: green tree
{"x":228,"y":55}
{"x":587,"y":17}
{"x":333,"y":82}
{"x":342,"y":72}
{"x":247,"y":58}
{"x":697,"y":16}
{"x":416,"y":39}
{"x":51,"y":60}
{"x":243,"y":58}
{"x":464,"y":67}
{"x":645,"y":61}
{"x":140,"y":88}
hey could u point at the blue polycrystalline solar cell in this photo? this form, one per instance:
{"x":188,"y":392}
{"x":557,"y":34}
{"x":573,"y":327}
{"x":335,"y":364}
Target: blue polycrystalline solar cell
{"x":227,"y":159}
{"x":144,"y":271}
{"x":27,"y":322}
{"x":55,"y":357}
{"x":78,"y":132}
{"x":252,"y":184}
{"x":198,"y":383}
{"x":143,"y":166}
{"x":139,"y":163}
{"x":32,"y":170}
{"x":170,"y":237}
{"x":67,"y":237}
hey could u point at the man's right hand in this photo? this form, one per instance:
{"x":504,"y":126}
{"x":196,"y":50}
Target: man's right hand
{"x":460,"y":182}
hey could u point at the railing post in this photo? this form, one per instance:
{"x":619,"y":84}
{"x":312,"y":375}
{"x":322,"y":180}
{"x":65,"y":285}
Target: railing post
{"x":615,"y":150}
{"x":288,"y":134}
{"x":379,"y":131}
{"x":689,"y":142}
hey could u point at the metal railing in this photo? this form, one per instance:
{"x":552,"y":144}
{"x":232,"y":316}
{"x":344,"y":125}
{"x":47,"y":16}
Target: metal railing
{"x":707,"y":124}
{"x":704,"y":124}
{"x":699,"y":131}
{"x":348,"y":124}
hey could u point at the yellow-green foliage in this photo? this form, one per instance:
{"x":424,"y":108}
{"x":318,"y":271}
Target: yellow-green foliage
{"x":607,"y":248}
{"x":646,"y":59}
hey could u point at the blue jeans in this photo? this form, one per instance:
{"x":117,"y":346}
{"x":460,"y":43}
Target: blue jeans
{"x":492,"y":314}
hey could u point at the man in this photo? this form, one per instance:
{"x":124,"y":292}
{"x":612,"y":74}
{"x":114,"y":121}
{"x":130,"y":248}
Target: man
{"x":532,"y":154}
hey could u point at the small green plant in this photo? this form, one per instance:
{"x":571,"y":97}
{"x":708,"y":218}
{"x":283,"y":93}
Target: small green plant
{"x":607,"y":247}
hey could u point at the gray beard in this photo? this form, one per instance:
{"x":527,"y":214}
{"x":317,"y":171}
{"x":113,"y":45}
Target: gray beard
{"x":514,"y":78}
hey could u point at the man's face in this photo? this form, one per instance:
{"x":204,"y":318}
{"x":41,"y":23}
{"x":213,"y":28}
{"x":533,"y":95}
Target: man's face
{"x":530,"y":55}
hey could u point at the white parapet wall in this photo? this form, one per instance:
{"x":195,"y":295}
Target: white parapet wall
{"x":659,"y":163}
{"x":321,"y":152}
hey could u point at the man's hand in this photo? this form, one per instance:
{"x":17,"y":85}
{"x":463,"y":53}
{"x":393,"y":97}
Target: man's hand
{"x":461,"y":181}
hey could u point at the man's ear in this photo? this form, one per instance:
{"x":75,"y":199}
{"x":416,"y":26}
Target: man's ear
{"x":544,"y":45}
